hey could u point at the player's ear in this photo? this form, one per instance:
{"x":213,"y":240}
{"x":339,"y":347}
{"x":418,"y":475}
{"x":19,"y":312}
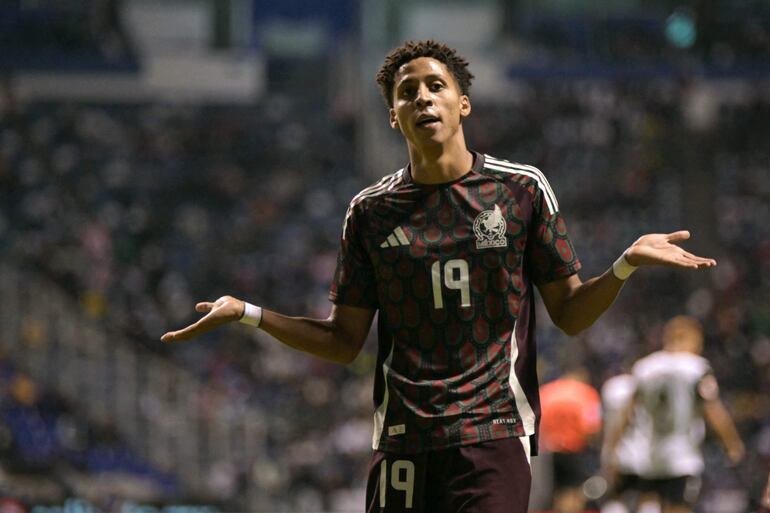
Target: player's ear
{"x":393,"y":118}
{"x":465,"y":105}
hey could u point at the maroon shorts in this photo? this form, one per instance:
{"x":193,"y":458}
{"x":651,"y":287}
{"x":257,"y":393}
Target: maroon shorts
{"x":490,"y":477}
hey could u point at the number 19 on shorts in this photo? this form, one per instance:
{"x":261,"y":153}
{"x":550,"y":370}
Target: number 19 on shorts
{"x":400,"y":477}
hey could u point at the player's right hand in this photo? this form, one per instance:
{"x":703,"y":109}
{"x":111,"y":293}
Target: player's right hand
{"x":223,"y":310}
{"x":735,"y":453}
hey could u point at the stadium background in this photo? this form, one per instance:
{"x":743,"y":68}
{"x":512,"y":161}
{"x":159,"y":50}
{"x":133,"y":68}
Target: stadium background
{"x":155,"y":153}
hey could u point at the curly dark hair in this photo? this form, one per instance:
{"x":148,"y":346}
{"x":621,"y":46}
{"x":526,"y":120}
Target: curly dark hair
{"x":410,"y":50}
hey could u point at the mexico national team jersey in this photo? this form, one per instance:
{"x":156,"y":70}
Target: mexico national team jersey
{"x":451,"y":269}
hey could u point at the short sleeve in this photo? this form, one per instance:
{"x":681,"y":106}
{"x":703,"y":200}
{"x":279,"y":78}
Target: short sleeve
{"x":354,"y":281}
{"x":550,"y":254}
{"x":708,"y":388}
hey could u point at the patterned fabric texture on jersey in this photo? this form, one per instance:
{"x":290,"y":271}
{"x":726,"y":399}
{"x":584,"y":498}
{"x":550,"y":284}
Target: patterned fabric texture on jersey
{"x":451,"y":268}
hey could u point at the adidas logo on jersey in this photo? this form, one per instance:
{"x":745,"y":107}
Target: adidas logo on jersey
{"x":395,"y":239}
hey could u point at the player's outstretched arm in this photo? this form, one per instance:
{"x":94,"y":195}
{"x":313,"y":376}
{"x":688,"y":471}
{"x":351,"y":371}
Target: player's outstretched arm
{"x":338,"y":338}
{"x":575,"y":305}
{"x":718,"y":418}
{"x":612,"y":436}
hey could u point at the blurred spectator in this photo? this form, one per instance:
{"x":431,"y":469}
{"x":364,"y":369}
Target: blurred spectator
{"x":49,"y":453}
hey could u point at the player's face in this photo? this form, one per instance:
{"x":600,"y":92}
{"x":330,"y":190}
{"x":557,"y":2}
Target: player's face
{"x":427,"y":102}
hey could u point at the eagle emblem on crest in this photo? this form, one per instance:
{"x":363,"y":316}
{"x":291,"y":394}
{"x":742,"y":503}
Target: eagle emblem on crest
{"x":489,"y":227}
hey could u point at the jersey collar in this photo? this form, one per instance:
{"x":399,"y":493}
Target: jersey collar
{"x":478,"y":165}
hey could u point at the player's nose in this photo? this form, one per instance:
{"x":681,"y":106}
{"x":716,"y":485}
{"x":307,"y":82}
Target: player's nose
{"x":423,"y":96}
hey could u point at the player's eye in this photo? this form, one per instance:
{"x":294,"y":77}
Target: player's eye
{"x":436,"y":87}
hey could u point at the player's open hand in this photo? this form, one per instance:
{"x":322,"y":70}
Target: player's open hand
{"x":223,"y":310}
{"x":735,"y":452}
{"x":661,"y":249}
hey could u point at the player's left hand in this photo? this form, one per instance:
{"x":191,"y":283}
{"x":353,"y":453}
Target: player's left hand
{"x":661,"y":249}
{"x":223,"y":310}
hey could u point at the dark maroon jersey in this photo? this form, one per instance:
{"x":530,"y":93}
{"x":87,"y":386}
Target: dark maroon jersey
{"x":451,"y":268}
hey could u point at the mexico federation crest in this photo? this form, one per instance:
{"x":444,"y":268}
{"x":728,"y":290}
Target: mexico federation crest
{"x":489,"y":227}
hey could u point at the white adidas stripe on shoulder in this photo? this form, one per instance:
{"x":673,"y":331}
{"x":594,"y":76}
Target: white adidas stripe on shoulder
{"x":553,"y":207}
{"x":530,"y":171}
{"x":523,"y":167}
{"x":384,"y":185}
{"x":372,"y":189}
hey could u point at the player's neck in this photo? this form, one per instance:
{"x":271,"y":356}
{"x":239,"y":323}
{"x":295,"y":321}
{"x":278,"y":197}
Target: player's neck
{"x":432,"y":164}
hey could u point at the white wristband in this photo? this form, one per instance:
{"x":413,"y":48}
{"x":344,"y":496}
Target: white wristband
{"x":622,"y":269}
{"x":252,"y":315}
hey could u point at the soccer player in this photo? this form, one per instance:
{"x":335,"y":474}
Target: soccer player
{"x":621,"y":458}
{"x":449,"y":250}
{"x":571,"y":415}
{"x":675,"y":391}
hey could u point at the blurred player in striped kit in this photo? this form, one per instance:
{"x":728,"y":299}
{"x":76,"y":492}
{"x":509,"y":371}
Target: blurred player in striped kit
{"x":449,"y":249}
{"x":654,"y":448}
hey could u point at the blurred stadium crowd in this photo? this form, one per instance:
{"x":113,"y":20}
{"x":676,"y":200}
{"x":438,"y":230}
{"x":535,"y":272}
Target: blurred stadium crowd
{"x":137,"y":211}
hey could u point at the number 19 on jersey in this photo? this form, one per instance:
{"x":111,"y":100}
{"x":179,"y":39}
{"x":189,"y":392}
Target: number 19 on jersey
{"x":455,"y":277}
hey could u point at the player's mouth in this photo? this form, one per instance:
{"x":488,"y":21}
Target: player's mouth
{"x":427,"y":121}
